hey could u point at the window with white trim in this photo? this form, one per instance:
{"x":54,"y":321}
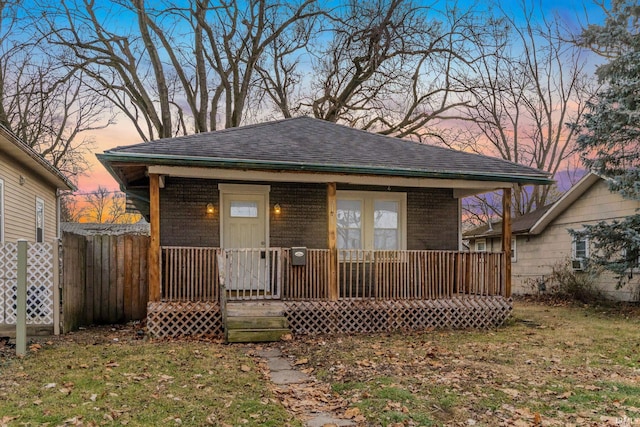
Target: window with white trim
{"x":481,"y":245}
{"x":514,"y":256}
{"x":371,"y":220}
{"x":580,"y":248}
{"x":39,"y":220}
{"x":1,"y":210}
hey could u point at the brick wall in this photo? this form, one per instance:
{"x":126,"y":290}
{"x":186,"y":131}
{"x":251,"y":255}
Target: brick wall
{"x":432,"y":215}
{"x":183,"y":216}
{"x":432,"y":219}
{"x":303,"y":220}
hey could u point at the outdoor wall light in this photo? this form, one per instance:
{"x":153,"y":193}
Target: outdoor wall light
{"x":210,"y":208}
{"x":22,"y":180}
{"x":277,"y":209}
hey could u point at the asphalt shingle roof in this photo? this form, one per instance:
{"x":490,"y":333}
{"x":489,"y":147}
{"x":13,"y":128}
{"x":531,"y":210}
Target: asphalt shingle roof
{"x":519,"y":225}
{"x":304,"y":141}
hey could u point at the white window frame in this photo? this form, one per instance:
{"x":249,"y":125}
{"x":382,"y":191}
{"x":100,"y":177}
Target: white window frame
{"x":476,"y":245}
{"x":40,"y":201}
{"x":1,"y":210}
{"x":574,"y":249}
{"x":368,"y":199}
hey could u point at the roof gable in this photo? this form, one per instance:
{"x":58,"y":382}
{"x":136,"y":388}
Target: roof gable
{"x":535,"y":222}
{"x":565,"y":201}
{"x":16,"y":149}
{"x":308,"y":144}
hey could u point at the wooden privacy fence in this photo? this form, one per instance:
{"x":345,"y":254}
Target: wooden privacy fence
{"x":104,"y":279}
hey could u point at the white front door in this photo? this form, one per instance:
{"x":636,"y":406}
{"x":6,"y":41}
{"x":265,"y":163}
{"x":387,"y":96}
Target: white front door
{"x":244,"y":237}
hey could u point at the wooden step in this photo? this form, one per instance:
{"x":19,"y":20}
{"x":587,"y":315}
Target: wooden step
{"x":255,"y":335}
{"x":257,"y":322}
{"x":255,"y":308}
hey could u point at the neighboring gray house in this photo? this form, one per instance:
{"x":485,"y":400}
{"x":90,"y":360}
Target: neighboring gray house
{"x":541,"y":238}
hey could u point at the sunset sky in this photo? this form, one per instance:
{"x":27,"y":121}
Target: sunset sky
{"x":573,"y":13}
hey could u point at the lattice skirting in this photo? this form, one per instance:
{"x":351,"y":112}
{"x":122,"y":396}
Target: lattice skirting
{"x":170,"y":319}
{"x":348,"y":316}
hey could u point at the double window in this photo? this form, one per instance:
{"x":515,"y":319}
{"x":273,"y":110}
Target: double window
{"x":371,"y":220}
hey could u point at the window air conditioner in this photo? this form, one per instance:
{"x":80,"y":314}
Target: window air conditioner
{"x":578,"y":264}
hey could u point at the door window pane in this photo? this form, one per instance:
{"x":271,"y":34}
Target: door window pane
{"x":244,"y":209}
{"x":349,"y":227}
{"x":385,"y":225}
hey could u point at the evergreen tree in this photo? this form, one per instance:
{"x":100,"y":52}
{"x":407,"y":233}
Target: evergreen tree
{"x":610,"y":142}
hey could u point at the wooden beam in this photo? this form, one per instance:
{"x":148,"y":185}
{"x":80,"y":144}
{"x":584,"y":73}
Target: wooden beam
{"x":332,"y":240}
{"x":464,"y":187}
{"x":154,"y":241}
{"x":506,"y":239}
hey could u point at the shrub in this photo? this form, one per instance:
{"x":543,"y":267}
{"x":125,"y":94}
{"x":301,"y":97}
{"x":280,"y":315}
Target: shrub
{"x":565,"y":282}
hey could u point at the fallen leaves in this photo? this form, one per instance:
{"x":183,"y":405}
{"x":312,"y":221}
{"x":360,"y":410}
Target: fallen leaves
{"x":555,"y":374}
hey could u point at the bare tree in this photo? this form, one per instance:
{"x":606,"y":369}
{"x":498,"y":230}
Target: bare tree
{"x":46,"y":105}
{"x":394,"y":67}
{"x":70,"y":209}
{"x":105,"y":206}
{"x":177,"y":69}
{"x":528,"y":88}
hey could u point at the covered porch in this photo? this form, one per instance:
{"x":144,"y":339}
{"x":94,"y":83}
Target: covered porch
{"x":333,"y":228}
{"x":365,"y":291}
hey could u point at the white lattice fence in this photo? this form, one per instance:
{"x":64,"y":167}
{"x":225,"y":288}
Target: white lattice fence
{"x":348,"y":316}
{"x":40,"y":283}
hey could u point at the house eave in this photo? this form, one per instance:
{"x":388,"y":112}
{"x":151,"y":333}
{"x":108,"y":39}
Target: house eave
{"x":564,"y":202}
{"x":34,"y":162}
{"x":259,"y":165}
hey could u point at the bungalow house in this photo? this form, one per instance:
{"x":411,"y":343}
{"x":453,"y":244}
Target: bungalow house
{"x":541,"y":239}
{"x":329,"y":227}
{"x":29,"y":210}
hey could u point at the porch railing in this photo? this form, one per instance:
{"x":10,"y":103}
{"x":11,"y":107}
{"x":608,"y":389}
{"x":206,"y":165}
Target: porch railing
{"x":191,"y":274}
{"x":405,"y":275}
{"x":253,"y":273}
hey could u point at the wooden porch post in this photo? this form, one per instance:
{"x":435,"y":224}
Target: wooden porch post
{"x":154,"y":241}
{"x":506,"y":239}
{"x":332,"y":240}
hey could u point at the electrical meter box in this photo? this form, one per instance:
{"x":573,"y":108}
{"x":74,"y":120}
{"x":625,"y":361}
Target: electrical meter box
{"x":299,"y":256}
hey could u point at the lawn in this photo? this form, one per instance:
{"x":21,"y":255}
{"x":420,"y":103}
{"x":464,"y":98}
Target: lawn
{"x":550,"y":365}
{"x":107,"y":376}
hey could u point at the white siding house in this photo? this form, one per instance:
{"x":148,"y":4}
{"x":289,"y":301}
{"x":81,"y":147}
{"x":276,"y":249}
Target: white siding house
{"x":542,"y":238}
{"x":29,"y":188}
